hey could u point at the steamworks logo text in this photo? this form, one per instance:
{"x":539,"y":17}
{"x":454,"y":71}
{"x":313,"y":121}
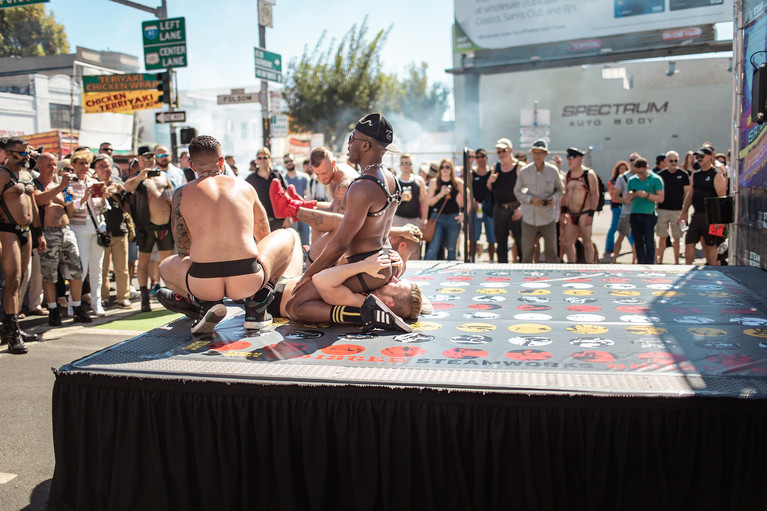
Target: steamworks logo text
{"x":615,"y":114}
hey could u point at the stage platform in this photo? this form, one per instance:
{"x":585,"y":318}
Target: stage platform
{"x":530,"y":386}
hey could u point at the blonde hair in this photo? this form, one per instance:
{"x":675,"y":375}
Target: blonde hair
{"x":411,"y":307}
{"x":81,"y":155}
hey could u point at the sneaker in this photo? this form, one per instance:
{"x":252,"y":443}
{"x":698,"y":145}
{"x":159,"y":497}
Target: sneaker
{"x":375,"y":314}
{"x":209,"y":316}
{"x":98,"y":310}
{"x":80,"y":316}
{"x":155,"y":288}
{"x":174,"y":302}
{"x":125,"y":304}
{"x":70,"y":310}
{"x":54,"y":317}
{"x":256,"y":315}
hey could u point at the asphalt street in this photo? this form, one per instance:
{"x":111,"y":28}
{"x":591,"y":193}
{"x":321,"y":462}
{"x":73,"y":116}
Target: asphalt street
{"x":26,"y":445}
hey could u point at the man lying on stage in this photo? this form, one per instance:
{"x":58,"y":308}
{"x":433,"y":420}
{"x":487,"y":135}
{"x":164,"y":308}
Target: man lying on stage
{"x":217,"y":215}
{"x":395,"y":298}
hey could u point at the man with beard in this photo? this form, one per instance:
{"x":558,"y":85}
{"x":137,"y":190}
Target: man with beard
{"x":175,"y":174}
{"x":18,"y":213}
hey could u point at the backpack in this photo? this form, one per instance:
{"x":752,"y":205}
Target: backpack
{"x":600,"y":184}
{"x":602,"y":191}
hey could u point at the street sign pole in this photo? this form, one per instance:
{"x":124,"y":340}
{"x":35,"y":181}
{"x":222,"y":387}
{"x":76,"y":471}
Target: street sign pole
{"x":264,"y":92}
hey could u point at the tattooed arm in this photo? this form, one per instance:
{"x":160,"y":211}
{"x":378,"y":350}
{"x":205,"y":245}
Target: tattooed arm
{"x":180,"y":232}
{"x":260,"y":220}
{"x":323,"y":221}
{"x":340,"y":191}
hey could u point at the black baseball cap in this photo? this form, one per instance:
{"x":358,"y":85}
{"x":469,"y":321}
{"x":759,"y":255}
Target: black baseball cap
{"x":145,"y":149}
{"x":704,"y":150}
{"x":379,"y":129}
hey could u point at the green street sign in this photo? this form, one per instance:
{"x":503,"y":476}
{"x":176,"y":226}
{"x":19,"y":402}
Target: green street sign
{"x":19,"y":3}
{"x":268,"y":65}
{"x":164,"y":43}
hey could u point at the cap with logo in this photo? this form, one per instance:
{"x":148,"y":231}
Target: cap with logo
{"x":378,"y":128}
{"x":540,"y":145}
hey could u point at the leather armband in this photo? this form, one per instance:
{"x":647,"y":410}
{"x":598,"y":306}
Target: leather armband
{"x":37,"y":231}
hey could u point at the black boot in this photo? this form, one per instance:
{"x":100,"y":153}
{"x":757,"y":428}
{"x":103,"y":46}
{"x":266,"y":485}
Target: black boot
{"x":79,"y":315}
{"x":54,"y":317}
{"x":12,"y":336}
{"x":145,"y":307}
{"x":28,"y":337}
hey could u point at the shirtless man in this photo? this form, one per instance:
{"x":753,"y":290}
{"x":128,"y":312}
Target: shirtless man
{"x":56,"y":205}
{"x":368,"y":207}
{"x":17,"y":213}
{"x":152,"y":192}
{"x":579,"y":203}
{"x":217,"y":215}
{"x":336,"y":176}
{"x":403,"y":298}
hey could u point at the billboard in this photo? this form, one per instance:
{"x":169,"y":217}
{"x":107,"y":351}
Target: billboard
{"x":497,"y":24}
{"x":123,"y":93}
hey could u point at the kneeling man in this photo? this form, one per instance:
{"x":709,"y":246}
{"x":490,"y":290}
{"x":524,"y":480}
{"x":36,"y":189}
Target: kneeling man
{"x":224,"y":245}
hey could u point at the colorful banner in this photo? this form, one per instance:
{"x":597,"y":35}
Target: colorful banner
{"x":496,"y":24}
{"x":120,"y":93}
{"x":752,"y":153}
{"x":58,"y":142}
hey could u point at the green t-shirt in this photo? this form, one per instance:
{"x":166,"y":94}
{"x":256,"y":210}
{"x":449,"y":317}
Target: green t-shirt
{"x":652,"y":184}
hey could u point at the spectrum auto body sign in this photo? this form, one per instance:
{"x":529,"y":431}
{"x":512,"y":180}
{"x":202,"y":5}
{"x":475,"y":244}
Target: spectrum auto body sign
{"x":120,"y":93}
{"x":495,"y":24}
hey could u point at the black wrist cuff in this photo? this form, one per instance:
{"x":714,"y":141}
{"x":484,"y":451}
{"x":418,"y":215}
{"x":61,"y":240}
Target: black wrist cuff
{"x":563,"y":210}
{"x":37,"y":231}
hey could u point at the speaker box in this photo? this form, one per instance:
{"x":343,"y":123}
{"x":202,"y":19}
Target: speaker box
{"x":719,"y":210}
{"x":759,"y":95}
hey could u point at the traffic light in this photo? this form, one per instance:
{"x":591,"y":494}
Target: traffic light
{"x":164,"y":87}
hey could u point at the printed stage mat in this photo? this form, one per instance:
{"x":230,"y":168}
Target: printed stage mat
{"x":604,"y":329}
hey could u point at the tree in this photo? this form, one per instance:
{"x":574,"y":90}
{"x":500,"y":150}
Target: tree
{"x":30,"y":32}
{"x":327,"y":92}
{"x":414,"y":97}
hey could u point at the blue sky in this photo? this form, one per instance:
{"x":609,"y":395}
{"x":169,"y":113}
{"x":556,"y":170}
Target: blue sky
{"x":221,"y":35}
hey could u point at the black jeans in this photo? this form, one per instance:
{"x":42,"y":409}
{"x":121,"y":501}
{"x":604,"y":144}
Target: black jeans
{"x":504,"y":225}
{"x":643,"y":230}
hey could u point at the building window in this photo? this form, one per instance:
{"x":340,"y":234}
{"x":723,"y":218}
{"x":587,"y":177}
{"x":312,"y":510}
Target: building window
{"x":244,"y":130}
{"x":60,"y":117}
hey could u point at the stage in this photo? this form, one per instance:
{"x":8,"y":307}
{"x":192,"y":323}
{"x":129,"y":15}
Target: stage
{"x":530,"y":386}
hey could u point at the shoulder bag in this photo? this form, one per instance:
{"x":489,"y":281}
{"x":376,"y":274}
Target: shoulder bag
{"x":431,"y":225}
{"x":104,"y":239}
